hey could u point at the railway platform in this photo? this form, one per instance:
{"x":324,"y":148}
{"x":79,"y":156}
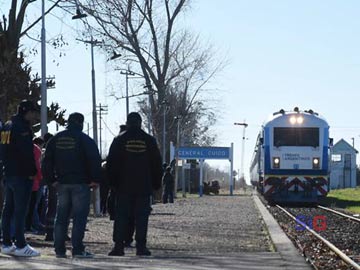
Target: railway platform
{"x":213,"y":232}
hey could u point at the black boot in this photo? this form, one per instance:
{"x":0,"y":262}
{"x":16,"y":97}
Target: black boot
{"x":118,"y":250}
{"x":49,"y":235}
{"x":142,"y":251}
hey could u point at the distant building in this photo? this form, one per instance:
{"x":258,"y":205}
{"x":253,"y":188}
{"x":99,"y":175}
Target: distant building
{"x":343,"y":165}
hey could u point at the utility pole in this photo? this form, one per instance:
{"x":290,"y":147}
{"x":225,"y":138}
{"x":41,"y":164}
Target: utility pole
{"x":93,"y":88}
{"x":245,"y":125}
{"x":127,"y":73}
{"x":92,"y":43}
{"x":150,"y":92}
{"x":164,"y":103}
{"x":103,"y":110}
{"x":43,"y":113}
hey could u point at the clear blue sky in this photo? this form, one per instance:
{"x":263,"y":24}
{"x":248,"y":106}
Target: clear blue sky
{"x":281,"y":54}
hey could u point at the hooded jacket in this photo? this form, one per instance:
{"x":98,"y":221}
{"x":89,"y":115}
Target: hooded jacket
{"x":72,"y":157}
{"x":18,"y":151}
{"x":134,"y":163}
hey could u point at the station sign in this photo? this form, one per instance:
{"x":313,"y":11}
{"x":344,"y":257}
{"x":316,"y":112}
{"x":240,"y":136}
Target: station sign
{"x":204,"y":153}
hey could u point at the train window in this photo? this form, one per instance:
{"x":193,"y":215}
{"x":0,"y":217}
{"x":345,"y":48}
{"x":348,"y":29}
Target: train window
{"x":296,"y":137}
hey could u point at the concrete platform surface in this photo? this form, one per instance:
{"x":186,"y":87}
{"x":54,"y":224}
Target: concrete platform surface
{"x":213,"y":232}
{"x":243,"y":261}
{"x":291,"y":257}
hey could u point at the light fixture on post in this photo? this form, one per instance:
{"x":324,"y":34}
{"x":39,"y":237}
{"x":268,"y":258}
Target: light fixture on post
{"x":79,"y":14}
{"x":115,"y":55}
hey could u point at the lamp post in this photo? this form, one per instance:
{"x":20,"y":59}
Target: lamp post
{"x":43,"y":113}
{"x":93,"y":92}
{"x":178,"y":118}
{"x":245,"y":125}
{"x":92,"y":42}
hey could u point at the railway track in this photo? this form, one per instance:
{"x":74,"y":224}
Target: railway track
{"x":349,"y":261}
{"x":339,"y":213}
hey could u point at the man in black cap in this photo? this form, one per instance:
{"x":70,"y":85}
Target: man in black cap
{"x":134,"y":171}
{"x":20,"y":168}
{"x":72,"y":164}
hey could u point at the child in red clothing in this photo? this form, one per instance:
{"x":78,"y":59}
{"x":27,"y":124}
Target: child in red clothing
{"x":35,"y":189}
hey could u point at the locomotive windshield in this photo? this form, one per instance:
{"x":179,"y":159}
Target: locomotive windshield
{"x":296,"y":137}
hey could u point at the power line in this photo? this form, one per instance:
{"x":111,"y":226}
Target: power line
{"x":107,"y":127}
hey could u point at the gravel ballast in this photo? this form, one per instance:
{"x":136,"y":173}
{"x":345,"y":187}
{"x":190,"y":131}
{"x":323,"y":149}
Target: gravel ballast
{"x":341,"y":232}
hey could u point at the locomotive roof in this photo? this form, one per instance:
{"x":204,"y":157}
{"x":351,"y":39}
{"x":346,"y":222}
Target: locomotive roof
{"x":309,"y":118}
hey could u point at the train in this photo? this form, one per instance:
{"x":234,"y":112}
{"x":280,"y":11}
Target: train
{"x":291,"y":162}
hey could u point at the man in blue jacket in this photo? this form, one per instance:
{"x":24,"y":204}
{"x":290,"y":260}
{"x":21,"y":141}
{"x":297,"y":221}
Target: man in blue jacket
{"x":19,"y":166}
{"x":72,"y":164}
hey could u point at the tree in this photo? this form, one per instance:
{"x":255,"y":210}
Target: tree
{"x":16,"y":81}
{"x":170,"y":59}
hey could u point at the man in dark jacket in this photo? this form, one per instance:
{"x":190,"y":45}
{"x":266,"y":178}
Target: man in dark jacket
{"x":168,"y":186}
{"x":134,"y":171}
{"x":19,"y":165}
{"x":72,"y":163}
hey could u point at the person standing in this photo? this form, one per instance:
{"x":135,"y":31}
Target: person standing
{"x":30,"y":223}
{"x":134,"y":171}
{"x":20,"y":168}
{"x":51,"y":201}
{"x":72,"y":164}
{"x":168,"y":186}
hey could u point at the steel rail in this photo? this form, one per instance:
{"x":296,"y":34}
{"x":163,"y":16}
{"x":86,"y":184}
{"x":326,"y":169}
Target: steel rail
{"x":339,"y":213}
{"x":341,"y":254}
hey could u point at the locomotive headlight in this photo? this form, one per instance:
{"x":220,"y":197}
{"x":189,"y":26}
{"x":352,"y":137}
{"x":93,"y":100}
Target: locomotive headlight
{"x":293,"y":120}
{"x":300,"y":120}
{"x":276,"y":162}
{"x":316,"y":163}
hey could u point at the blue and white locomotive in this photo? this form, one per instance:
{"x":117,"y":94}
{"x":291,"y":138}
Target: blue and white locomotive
{"x":291,"y":158}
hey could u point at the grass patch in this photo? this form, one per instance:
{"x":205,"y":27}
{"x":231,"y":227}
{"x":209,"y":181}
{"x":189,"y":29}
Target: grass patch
{"x":348,"y":199}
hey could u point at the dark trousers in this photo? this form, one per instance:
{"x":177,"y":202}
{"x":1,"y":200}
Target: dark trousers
{"x":2,"y":193}
{"x":104,"y":194}
{"x":131,"y":229}
{"x":72,"y":200}
{"x":31,"y":211}
{"x":51,"y":210}
{"x":41,"y":207}
{"x":129,"y":206}
{"x":168,"y":196}
{"x":17,"y":198}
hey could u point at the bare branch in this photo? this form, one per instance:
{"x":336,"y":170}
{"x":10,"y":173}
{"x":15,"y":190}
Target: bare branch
{"x":38,"y":20}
